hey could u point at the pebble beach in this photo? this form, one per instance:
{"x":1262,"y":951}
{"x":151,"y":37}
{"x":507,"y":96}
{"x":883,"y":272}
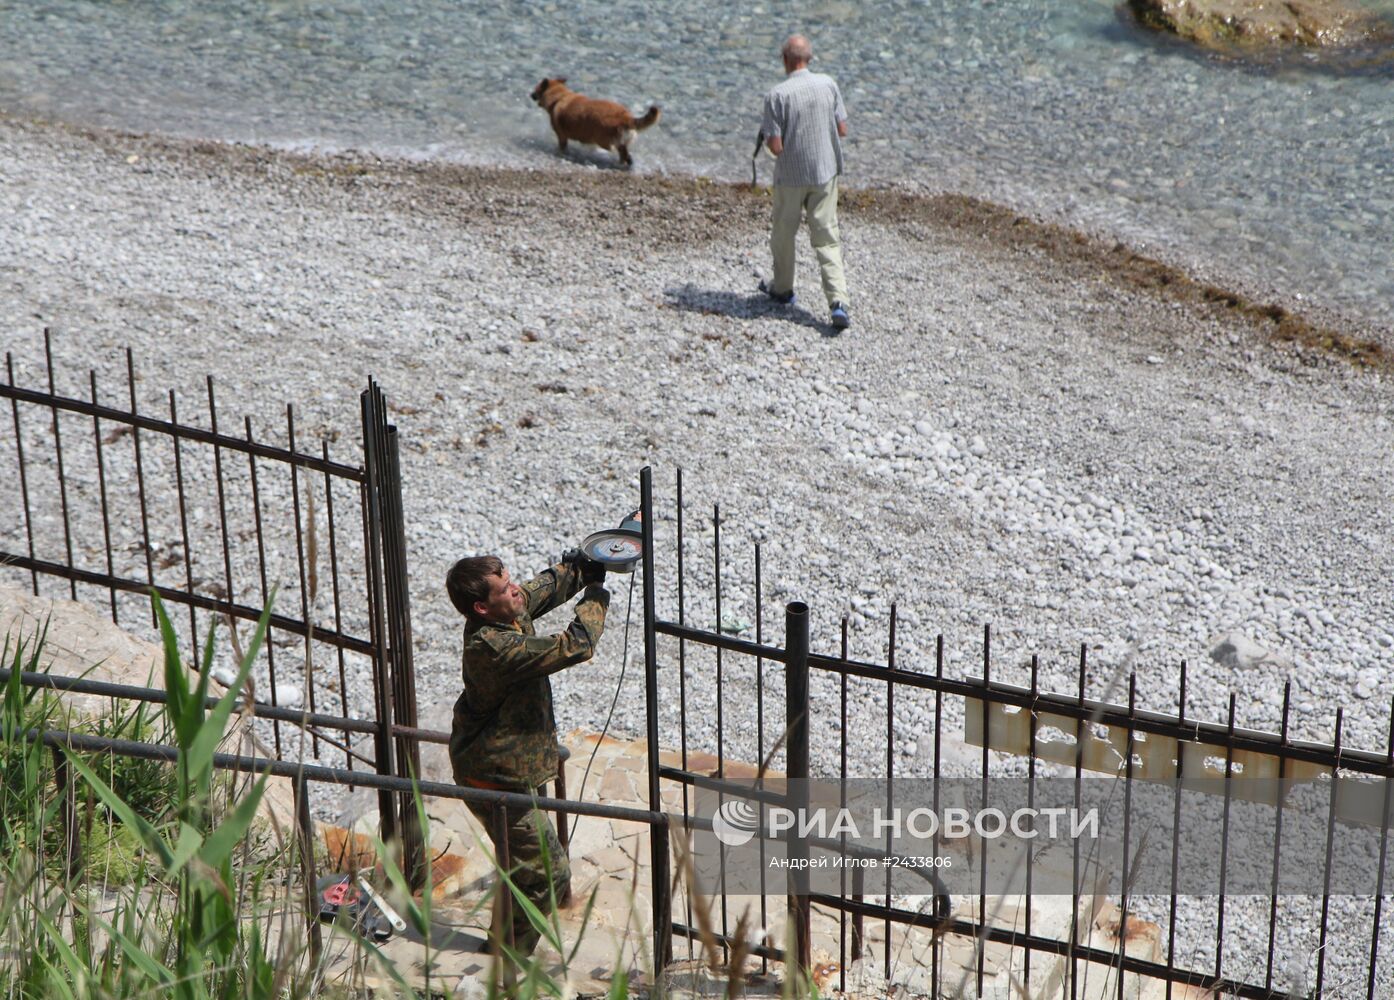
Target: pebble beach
{"x":1025,"y":427}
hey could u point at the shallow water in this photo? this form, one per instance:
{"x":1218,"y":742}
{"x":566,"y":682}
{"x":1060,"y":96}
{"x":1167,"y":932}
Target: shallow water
{"x":1283,"y":180}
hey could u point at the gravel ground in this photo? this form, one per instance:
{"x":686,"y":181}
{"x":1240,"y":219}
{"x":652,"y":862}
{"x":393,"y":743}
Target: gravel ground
{"x":1022,"y":428}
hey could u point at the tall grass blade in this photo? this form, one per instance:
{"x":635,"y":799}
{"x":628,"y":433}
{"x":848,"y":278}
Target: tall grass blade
{"x":149,"y":836}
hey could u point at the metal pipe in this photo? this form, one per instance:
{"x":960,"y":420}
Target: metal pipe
{"x":371,"y":405}
{"x":661,"y":886}
{"x":650,"y":636}
{"x":796,"y":628}
{"x":341,"y":776}
{"x":105,"y":689}
{"x":890,"y":772}
{"x":408,"y":753}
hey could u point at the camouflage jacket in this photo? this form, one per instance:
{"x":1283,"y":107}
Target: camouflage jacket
{"x":504,"y":731}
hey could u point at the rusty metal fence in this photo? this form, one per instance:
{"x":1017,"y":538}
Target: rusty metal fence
{"x":1251,"y":956}
{"x":109,"y":502}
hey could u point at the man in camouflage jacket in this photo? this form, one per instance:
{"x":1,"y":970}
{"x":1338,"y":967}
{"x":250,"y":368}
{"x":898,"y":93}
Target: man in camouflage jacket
{"x":504,"y":734}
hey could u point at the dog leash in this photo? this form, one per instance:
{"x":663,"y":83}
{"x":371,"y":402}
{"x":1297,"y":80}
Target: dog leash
{"x":755,"y":156}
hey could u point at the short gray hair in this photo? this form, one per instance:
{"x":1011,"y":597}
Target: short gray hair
{"x":796,"y":48}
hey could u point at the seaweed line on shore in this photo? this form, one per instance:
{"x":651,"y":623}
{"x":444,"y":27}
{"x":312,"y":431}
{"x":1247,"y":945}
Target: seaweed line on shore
{"x":703,"y":207}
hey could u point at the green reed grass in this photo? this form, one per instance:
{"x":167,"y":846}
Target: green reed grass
{"x":171,"y":893}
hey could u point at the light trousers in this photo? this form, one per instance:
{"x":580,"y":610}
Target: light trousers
{"x":819,"y":203}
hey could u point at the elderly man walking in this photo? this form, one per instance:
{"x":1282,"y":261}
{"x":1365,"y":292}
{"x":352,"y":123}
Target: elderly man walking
{"x":803,"y":124}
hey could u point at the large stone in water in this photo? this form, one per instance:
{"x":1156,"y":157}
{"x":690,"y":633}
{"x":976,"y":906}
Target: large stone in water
{"x":1240,"y":26}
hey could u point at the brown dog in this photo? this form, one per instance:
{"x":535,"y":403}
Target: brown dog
{"x":585,"y":119}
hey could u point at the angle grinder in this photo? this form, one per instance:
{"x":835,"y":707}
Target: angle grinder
{"x":618,"y":549}
{"x":359,"y":905}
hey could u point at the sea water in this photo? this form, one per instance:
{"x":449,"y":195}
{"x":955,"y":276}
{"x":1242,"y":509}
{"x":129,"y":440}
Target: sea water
{"x":1280,"y":178}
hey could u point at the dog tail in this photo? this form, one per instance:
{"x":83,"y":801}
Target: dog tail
{"x":650,"y":118}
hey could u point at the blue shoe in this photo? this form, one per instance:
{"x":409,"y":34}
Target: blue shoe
{"x":841,"y":320}
{"x":783,"y":298}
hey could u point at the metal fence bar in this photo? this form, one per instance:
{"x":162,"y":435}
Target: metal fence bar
{"x":133,"y":419}
{"x":1224,"y":852}
{"x":1278,"y":836}
{"x":23,"y":473}
{"x":661,"y":886}
{"x":138,"y":421}
{"x":174,"y":596}
{"x":58,"y":454}
{"x":1081,"y":709}
{"x":1030,"y":804}
{"x":403,"y":666}
{"x":760,"y":734}
{"x":350,"y":779}
{"x":183,"y":523}
{"x":796,"y":708}
{"x":1176,"y":837}
{"x":265,"y":589}
{"x":1326,"y":871}
{"x":935,"y":970}
{"x":980,"y":948}
{"x":1127,"y":839}
{"x":374,"y":533}
{"x":890,"y":772}
{"x":842,"y":804}
{"x":334,"y":585}
{"x":228,"y":586}
{"x":305,"y":842}
{"x":1074,"y":870}
{"x":305,"y":577}
{"x":650,"y":644}
{"x":1015,"y":939}
{"x":101,"y":492}
{"x":159,"y":503}
{"x":1383,"y":855}
{"x":682,"y":681}
{"x":720,"y":704}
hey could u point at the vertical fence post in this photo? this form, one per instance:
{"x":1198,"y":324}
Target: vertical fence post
{"x":662,"y":903}
{"x":408,"y":751}
{"x":373,"y":530}
{"x":305,"y":839}
{"x":501,"y":943}
{"x":796,"y":726}
{"x":658,"y":832}
{"x":650,"y":635}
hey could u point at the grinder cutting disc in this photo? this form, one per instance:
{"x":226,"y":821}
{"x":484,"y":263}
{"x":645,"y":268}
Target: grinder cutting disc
{"x":618,"y":549}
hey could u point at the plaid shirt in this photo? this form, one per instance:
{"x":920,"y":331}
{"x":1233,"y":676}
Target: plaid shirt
{"x":804,"y":111}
